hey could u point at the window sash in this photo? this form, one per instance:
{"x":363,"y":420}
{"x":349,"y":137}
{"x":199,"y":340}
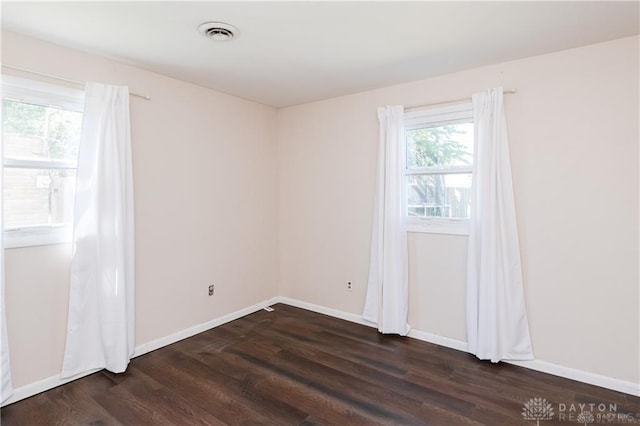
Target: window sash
{"x":439,"y":116}
{"x":23,"y":90}
{"x":28,"y":91}
{"x":40,"y":164}
{"x":438,"y":170}
{"x":39,"y":235}
{"x":429,"y":118}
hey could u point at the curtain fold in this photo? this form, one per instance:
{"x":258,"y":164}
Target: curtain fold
{"x":100,"y":330}
{"x":497,"y":327}
{"x":6,"y":388}
{"x":386,"y":302}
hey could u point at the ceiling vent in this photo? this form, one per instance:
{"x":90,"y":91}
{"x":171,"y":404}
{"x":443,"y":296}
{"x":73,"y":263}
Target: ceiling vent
{"x":219,"y":31}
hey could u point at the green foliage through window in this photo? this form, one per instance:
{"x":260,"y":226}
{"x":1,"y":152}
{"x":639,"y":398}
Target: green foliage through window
{"x":445,"y":190}
{"x":438,"y":146}
{"x":23,"y":119}
{"x":59,"y":129}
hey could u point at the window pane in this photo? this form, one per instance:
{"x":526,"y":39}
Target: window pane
{"x":39,"y":132}
{"x":38,"y":197}
{"x":443,"y":146}
{"x":439,"y":195}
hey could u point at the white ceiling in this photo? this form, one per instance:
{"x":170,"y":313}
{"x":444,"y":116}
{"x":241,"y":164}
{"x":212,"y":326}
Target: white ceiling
{"x":296,"y":52}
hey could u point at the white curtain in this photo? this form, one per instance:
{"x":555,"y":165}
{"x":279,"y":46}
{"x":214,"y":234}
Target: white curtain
{"x":497,"y":327}
{"x":6,"y":389}
{"x":100,"y":331}
{"x":387,"y":292}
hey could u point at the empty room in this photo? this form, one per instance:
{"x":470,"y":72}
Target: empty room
{"x":320,"y":213}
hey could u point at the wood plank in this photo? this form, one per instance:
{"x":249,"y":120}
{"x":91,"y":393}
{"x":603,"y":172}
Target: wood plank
{"x":296,"y":367}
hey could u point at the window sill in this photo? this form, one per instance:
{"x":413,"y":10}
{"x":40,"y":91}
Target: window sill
{"x":39,"y":236}
{"x":436,"y":226}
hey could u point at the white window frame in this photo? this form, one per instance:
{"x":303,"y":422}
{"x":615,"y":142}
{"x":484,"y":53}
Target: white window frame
{"x":434,"y":117}
{"x":39,"y":93}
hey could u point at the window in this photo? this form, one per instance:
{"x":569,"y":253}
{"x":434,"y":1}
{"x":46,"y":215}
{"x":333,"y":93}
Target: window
{"x":438,"y":169}
{"x":41,"y":126}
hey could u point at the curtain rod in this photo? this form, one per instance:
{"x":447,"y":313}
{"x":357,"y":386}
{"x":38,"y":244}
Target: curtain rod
{"x":505,"y":91}
{"x":62,"y":79}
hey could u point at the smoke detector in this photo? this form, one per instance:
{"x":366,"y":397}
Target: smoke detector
{"x":219,"y":31}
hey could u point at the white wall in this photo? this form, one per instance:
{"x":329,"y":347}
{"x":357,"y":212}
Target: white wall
{"x":240,"y":195}
{"x":573,"y":128}
{"x":205,"y":209}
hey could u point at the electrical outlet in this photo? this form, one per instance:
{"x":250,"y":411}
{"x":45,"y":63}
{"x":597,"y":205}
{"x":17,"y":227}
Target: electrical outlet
{"x":211,"y":290}
{"x":349,"y":286}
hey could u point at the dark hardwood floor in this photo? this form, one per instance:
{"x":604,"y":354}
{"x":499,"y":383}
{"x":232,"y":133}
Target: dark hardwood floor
{"x":295,"y":367}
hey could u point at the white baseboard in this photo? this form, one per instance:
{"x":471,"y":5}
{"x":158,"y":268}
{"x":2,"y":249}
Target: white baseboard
{"x":323,"y":310}
{"x":581,"y":376}
{"x":542,"y":366}
{"x":439,"y":340}
{"x":42,"y":385}
{"x":55,"y":381}
{"x":192,"y":331}
{"x":538,"y":365}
